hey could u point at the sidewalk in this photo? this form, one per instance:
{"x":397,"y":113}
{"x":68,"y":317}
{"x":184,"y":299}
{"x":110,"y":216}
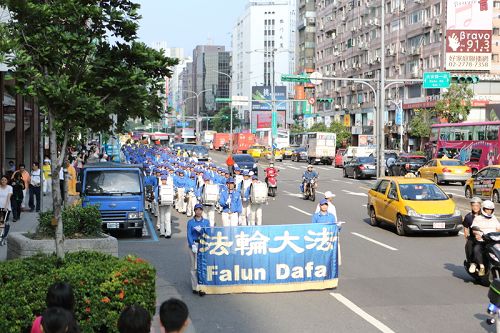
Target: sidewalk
{"x":27,"y":223}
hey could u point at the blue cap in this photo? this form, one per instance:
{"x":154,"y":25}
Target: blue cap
{"x":206,"y":177}
{"x":323,"y":202}
{"x":246,"y":173}
{"x":200,"y":206}
{"x":230,"y":180}
{"x":255,"y":177}
{"x":164,"y":177}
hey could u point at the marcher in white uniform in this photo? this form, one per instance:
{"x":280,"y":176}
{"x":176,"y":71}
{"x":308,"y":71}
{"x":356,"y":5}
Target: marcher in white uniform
{"x":209,"y":206}
{"x":331,"y":207}
{"x":255,"y":207}
{"x":245,"y":211}
{"x":165,"y":208}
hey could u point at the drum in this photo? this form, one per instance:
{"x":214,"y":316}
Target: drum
{"x":210,"y":194}
{"x":258,"y":193}
{"x":166,"y":195}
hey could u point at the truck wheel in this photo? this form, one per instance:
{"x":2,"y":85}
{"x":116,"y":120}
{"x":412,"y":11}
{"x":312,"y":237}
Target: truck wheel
{"x":138,"y":233}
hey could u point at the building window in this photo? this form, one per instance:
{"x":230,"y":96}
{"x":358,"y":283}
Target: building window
{"x":494,"y":57}
{"x":437,"y":9}
{"x":415,"y":17}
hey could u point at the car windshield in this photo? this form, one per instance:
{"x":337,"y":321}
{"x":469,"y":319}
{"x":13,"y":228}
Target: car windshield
{"x":451,"y":163}
{"x":243,"y":158}
{"x":257,"y":147}
{"x":112,"y":182}
{"x":200,"y":149}
{"x":368,"y":159}
{"x":421,"y":192}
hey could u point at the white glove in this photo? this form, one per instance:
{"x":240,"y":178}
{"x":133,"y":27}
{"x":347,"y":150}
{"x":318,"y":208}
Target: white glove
{"x":194,"y":248}
{"x":197,"y":228}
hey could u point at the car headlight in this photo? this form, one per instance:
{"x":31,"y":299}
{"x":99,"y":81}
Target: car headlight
{"x":494,"y":257}
{"x":235,"y":165}
{"x":457,"y":212}
{"x":254,"y":165}
{"x":412,"y":212}
{"x":135,"y":215}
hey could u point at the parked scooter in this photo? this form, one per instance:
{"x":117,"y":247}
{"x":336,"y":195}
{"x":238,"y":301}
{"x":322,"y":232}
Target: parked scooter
{"x":491,"y":255}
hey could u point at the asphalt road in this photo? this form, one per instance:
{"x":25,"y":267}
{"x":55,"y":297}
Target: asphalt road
{"x":387,"y":283}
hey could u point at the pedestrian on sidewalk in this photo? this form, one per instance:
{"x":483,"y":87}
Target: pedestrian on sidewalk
{"x":35,"y":183}
{"x":5,"y":195}
{"x":174,"y":316}
{"x":71,"y":179}
{"x":26,"y":178}
{"x":47,"y":177}
{"x":17,"y":197}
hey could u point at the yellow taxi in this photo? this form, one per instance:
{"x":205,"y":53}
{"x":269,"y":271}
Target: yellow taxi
{"x":484,"y":184}
{"x":413,"y":205}
{"x":256,"y":150}
{"x":445,"y":171}
{"x":287,"y":152}
{"x":278,"y":154}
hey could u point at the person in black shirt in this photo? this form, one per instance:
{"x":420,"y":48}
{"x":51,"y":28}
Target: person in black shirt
{"x":475,"y":205}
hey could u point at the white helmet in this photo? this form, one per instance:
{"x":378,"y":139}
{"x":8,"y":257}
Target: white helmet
{"x":329,"y":194}
{"x":309,"y":166}
{"x":487,"y":204}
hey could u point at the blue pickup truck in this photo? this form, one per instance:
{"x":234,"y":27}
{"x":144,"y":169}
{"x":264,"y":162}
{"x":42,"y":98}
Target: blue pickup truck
{"x":118,"y":190}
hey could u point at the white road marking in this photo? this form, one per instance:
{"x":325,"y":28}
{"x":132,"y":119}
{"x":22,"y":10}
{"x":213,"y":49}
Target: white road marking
{"x":360,"y":312}
{"x":359,"y":194}
{"x":292,"y":167}
{"x":374,"y":241}
{"x":300,"y":210}
{"x":298,"y":195}
{"x":364,"y":205}
{"x":323,"y":168}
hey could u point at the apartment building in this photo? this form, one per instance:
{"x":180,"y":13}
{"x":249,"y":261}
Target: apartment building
{"x":348,"y":45}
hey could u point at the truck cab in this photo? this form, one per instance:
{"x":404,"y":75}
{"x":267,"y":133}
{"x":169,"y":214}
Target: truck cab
{"x":118,"y":191}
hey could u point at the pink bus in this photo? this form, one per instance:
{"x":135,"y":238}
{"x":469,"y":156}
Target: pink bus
{"x":476,"y":144}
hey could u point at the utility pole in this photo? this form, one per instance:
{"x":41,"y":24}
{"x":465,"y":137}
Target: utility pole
{"x":274,"y":125}
{"x":381,"y":94}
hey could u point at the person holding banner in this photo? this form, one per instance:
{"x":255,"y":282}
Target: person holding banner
{"x":230,"y":201}
{"x":194,"y":231}
{"x":323,"y":216}
{"x":331,"y":207}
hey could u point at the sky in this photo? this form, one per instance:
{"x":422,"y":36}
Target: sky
{"x":187,"y":23}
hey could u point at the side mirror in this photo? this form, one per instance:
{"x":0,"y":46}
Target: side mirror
{"x":449,"y":195}
{"x":392,"y":196}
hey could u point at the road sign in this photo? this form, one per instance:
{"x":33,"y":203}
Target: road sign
{"x":223,"y":100}
{"x":316,"y":78}
{"x":239,"y":101}
{"x":181,"y":124}
{"x":295,"y":78}
{"x":311,"y":100}
{"x":435,"y":80}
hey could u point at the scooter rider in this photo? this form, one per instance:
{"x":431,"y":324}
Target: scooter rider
{"x":475,"y":205}
{"x":486,"y":222}
{"x":230,"y":201}
{"x":271,"y":171}
{"x":308,"y":175}
{"x":194,"y":231}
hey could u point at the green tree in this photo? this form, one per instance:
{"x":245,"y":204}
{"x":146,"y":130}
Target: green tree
{"x":318,"y":127}
{"x":343,"y":133}
{"x":82,"y":62}
{"x":222,"y":121}
{"x":420,"y":125}
{"x":297,"y":128}
{"x":455,"y":104}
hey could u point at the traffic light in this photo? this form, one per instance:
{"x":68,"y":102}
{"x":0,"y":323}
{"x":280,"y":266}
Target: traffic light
{"x":324,"y":100}
{"x":465,"y":79}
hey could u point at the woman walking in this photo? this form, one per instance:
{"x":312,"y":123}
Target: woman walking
{"x":5,"y":195}
{"x":17,"y":196}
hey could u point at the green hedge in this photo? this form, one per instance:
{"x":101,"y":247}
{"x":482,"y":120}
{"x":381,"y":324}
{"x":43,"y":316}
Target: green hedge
{"x":103,"y":285}
{"x":78,"y":222}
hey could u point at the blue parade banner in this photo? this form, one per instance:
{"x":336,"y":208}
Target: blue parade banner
{"x":271,"y":258}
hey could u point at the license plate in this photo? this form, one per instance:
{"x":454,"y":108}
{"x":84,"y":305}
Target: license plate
{"x":370,"y":167}
{"x":113,"y":225}
{"x":439,"y":225}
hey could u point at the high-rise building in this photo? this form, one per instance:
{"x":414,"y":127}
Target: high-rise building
{"x":263,"y":26}
{"x":348,"y":44}
{"x":209,"y":61}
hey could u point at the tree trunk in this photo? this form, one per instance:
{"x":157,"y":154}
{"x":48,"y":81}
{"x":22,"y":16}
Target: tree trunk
{"x":56,"y":164}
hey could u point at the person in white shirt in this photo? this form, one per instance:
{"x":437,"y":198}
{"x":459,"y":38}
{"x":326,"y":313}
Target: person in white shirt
{"x":487,"y":223}
{"x":331,"y":207}
{"x":5,"y":194}
{"x":35,"y":186}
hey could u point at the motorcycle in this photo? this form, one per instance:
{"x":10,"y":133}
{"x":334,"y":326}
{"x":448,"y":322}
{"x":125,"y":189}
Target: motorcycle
{"x":491,"y":255}
{"x":271,"y":181}
{"x":310,"y":189}
{"x":494,"y":306}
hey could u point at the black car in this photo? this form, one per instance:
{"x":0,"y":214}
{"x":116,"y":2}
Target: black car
{"x":299,"y":154}
{"x":360,"y":167}
{"x":245,"y":162}
{"x":405,"y":164}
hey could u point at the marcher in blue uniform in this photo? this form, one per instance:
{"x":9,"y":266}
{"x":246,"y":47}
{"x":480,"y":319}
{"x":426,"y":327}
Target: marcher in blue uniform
{"x":194,"y":231}
{"x":230,"y":201}
{"x":323,"y":216}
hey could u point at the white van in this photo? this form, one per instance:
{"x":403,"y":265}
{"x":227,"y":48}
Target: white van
{"x":354,"y":151}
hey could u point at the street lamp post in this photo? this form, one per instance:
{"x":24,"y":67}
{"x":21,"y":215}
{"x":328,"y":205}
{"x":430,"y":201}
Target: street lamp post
{"x":380,"y":127}
{"x":230,"y":114}
{"x":197,"y":124}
